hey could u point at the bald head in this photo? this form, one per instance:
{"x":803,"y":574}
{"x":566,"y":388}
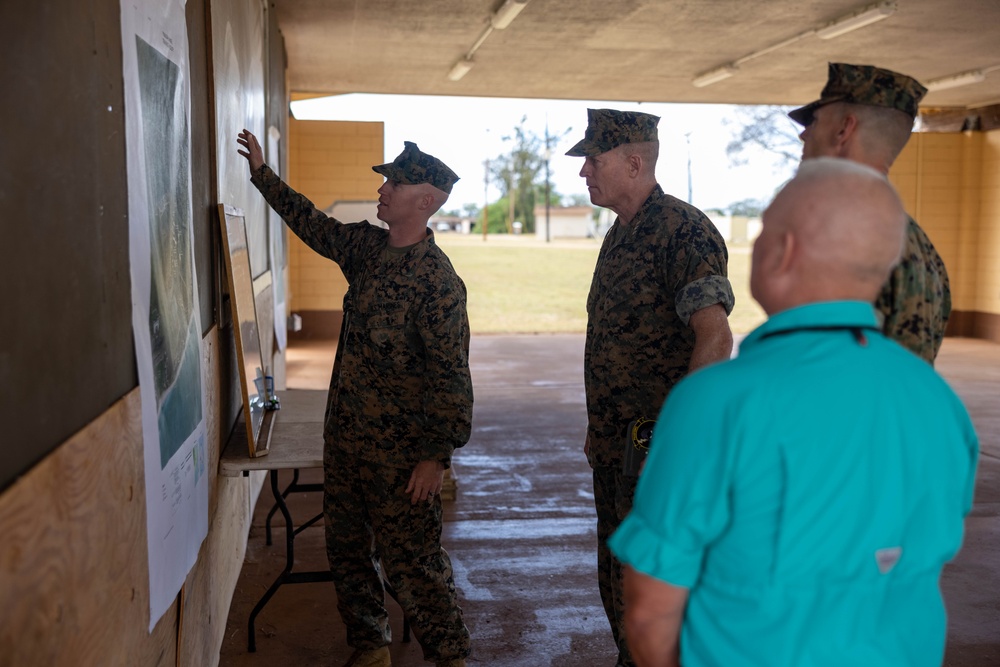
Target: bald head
{"x":834,"y":232}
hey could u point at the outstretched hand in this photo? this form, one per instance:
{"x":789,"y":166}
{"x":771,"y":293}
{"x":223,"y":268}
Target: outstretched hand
{"x":253,"y":152}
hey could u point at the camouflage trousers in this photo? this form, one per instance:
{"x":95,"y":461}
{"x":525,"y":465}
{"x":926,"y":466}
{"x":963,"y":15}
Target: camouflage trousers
{"x":370,"y":521}
{"x":613,"y":493}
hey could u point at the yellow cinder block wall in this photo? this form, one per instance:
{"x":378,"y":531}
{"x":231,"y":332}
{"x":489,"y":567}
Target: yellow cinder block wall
{"x":950,"y":184}
{"x":928,"y":175}
{"x":988,"y":273}
{"x":328,"y":161}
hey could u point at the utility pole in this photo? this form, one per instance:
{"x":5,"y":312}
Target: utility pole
{"x":511,"y":194}
{"x":687,"y":137}
{"x":548,"y":154}
{"x":486,"y":198}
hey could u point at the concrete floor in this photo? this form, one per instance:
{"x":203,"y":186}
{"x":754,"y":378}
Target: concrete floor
{"x":522,"y":531}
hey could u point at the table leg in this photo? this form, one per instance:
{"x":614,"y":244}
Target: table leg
{"x":274,"y":507}
{"x":287,"y":576}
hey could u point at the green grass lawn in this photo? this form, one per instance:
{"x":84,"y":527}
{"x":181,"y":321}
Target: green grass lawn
{"x":518,"y":284}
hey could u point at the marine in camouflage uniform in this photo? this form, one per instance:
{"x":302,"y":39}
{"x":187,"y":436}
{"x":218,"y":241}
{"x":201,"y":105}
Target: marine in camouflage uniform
{"x":401,"y":393}
{"x":654,"y":271}
{"x":915,"y":302}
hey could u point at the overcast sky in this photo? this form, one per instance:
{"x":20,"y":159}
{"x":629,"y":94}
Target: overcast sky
{"x":465,"y":131}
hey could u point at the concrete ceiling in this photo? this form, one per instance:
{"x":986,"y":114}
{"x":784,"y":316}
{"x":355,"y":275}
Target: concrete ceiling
{"x":631,"y":50}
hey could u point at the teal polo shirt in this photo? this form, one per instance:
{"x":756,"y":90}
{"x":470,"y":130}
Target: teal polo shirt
{"x":807,"y":493}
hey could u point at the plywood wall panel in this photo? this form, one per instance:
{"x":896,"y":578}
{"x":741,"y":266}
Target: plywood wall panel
{"x":74,"y":576}
{"x":209,"y":587}
{"x":73,"y":564}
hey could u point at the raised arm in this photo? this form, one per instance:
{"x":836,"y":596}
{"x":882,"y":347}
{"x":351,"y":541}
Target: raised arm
{"x":317,"y":230}
{"x":253,"y":152}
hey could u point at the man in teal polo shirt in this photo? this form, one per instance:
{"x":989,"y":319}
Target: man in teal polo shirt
{"x":800,"y":501}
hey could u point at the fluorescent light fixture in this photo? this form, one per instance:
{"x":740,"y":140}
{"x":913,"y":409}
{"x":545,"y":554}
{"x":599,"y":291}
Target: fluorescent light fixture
{"x":859,"y":19}
{"x":506,"y":13}
{"x":963,"y":79}
{"x":714,"y":76}
{"x":499,"y":20}
{"x":460,"y":69}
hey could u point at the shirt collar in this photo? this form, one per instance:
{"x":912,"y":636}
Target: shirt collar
{"x":643,"y":213}
{"x":628,"y":230}
{"x":847,"y":314}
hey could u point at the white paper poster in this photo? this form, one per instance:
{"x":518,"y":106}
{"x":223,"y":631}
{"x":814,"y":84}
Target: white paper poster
{"x":165,"y":315}
{"x":279,"y":252}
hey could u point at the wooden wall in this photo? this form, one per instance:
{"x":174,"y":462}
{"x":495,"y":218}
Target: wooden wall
{"x":74,"y":583}
{"x":73,"y":564}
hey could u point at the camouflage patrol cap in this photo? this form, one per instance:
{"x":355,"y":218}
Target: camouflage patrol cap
{"x":864,"y":84}
{"x":413,"y":167}
{"x":608,"y":128}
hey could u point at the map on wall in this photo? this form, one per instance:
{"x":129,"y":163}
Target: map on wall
{"x":174,"y":330}
{"x":278,"y":251}
{"x":166,"y":322}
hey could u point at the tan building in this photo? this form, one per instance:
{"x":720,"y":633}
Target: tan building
{"x":569,"y":222}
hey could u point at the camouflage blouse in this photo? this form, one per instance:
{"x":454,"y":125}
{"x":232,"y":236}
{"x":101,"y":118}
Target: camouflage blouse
{"x":401,"y":390}
{"x":652,"y":275}
{"x":916,"y":301}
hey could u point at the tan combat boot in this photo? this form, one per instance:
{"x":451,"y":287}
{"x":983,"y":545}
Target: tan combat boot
{"x":377,"y":657}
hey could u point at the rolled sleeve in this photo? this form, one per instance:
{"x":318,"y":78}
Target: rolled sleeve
{"x":696,"y":266}
{"x":702,"y":293}
{"x":645,"y":549}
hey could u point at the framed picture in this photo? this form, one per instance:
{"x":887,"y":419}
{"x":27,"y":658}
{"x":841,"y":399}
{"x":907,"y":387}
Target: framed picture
{"x":253,"y":379}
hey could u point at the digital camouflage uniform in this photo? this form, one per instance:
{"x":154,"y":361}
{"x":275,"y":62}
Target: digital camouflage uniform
{"x":401,"y":393}
{"x":916,"y":301}
{"x":653,"y":272}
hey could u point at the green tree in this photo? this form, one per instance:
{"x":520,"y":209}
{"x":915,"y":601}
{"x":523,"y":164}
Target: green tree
{"x":520,"y":176}
{"x":516,"y":172}
{"x":497,"y":216}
